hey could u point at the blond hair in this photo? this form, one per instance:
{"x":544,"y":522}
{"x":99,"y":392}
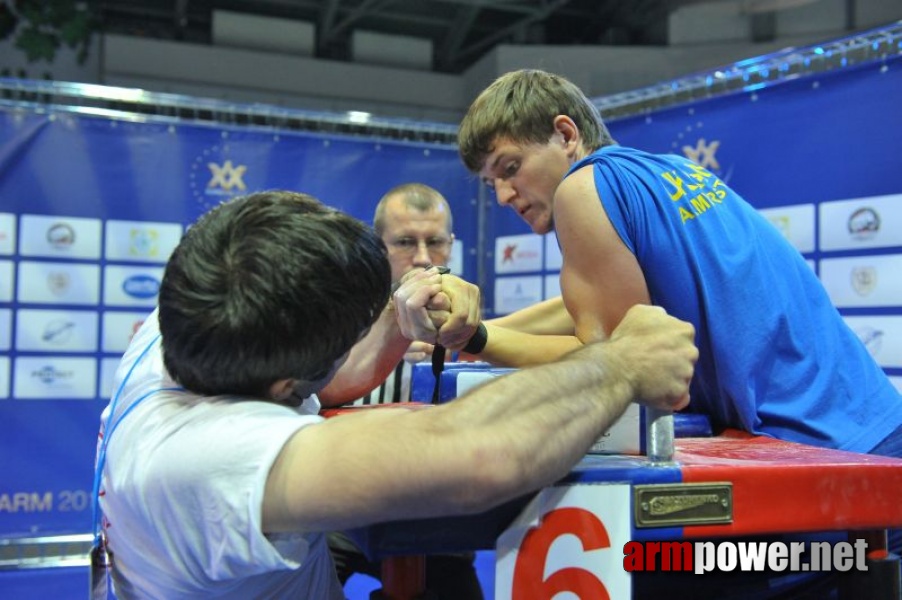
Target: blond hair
{"x":418,"y":196}
{"x":521,"y":106}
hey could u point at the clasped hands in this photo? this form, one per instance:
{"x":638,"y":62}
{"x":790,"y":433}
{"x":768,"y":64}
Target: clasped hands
{"x":433,"y":308}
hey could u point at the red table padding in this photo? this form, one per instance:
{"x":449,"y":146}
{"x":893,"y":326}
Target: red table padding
{"x":781,"y":487}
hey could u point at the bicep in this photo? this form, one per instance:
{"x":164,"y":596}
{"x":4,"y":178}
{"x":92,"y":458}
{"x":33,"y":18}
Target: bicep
{"x":600,"y":277}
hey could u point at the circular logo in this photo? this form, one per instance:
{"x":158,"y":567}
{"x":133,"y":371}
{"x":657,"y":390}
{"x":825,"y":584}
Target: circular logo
{"x":864,"y":223}
{"x":141,"y":286}
{"x":61,"y":235}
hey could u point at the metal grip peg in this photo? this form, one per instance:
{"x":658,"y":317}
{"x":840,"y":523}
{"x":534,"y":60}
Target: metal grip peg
{"x":658,"y":435}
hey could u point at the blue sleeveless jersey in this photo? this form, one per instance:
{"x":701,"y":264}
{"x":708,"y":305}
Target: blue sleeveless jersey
{"x":776,"y":358}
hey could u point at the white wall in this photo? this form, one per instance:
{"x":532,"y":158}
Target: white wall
{"x":870,"y":13}
{"x":239,"y":30}
{"x":709,"y":22}
{"x":256,"y":76}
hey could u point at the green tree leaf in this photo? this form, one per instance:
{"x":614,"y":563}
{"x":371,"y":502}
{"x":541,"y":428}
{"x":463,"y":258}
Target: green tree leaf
{"x":77,"y":30}
{"x":37,"y":44}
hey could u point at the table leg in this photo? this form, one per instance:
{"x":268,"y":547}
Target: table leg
{"x":403,"y":578}
{"x":882,"y":580}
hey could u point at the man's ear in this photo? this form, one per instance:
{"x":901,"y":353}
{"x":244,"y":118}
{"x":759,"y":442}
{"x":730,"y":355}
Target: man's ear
{"x":567,"y":132}
{"x":281,"y":389}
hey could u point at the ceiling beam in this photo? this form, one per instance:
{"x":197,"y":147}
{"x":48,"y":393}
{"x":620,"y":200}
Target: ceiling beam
{"x":457,"y":33}
{"x":364,"y":9}
{"x":481,"y":45}
{"x":324,"y":22}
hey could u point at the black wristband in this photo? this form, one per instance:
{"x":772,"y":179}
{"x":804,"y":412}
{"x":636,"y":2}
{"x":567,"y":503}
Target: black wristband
{"x":478,"y":341}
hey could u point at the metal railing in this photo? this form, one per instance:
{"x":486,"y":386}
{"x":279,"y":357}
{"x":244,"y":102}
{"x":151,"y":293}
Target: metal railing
{"x":46,"y":551}
{"x":137,"y":104}
{"x":869,"y":46}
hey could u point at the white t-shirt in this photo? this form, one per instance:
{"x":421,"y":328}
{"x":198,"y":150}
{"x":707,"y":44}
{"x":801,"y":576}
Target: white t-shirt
{"x":182,"y":491}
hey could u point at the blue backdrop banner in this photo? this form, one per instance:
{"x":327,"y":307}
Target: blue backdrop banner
{"x":90,"y":209}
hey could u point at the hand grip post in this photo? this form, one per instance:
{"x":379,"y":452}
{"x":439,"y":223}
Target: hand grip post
{"x":658,"y":435}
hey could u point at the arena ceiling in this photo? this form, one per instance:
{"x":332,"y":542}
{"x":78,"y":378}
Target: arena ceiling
{"x":461,"y":31}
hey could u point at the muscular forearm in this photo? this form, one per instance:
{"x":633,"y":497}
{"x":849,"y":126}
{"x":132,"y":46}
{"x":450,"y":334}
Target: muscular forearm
{"x":565,"y":405}
{"x":370,"y":361}
{"x":502,"y":440}
{"x":508,"y":348}
{"x":549,"y":317}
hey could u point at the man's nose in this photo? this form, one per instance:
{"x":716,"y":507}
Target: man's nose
{"x":504,"y":192}
{"x":421,"y":257}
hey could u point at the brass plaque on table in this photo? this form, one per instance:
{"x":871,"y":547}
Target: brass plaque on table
{"x":680,"y":504}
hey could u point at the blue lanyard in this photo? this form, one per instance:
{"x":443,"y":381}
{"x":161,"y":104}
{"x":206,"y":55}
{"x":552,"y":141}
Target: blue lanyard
{"x":111,"y":425}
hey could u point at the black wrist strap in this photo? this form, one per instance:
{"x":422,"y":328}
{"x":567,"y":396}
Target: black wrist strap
{"x":478,"y":341}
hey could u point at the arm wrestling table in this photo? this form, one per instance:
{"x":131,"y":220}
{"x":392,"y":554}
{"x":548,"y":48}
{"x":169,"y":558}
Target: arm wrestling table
{"x":727,"y":486}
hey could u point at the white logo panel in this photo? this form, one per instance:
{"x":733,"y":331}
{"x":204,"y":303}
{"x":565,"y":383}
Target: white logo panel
{"x":58,"y":283}
{"x":796,"y":223}
{"x":467,"y":380}
{"x":624,"y":436}
{"x":108,"y":368}
{"x":882,"y":336}
{"x":119,"y":328}
{"x":54,"y":377}
{"x":58,"y":237}
{"x":131,"y":286}
{"x":863,"y":280}
{"x":6,"y":281}
{"x":6,"y":324}
{"x":514,"y":293}
{"x":141,"y":241}
{"x":874,"y":222}
{"x":7,"y":233}
{"x":897,"y":382}
{"x":4,"y":377}
{"x":56,"y":330}
{"x":518,"y":253}
{"x":552,"y":285}
{"x":456,"y":258}
{"x":554,"y":260}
